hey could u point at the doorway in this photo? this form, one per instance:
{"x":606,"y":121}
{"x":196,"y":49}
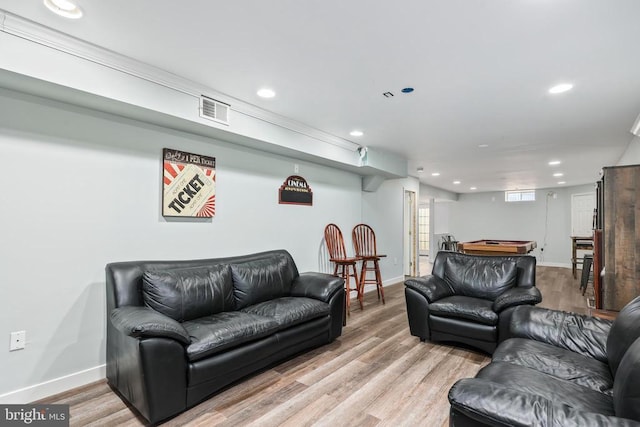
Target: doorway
{"x":582,"y":207}
{"x":410,"y":235}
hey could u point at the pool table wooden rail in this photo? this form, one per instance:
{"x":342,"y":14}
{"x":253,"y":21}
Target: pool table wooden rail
{"x":497,"y":247}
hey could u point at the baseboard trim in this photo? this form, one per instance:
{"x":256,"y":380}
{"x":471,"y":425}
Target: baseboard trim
{"x":388,"y":282}
{"x":554,"y":264}
{"x":54,"y":386}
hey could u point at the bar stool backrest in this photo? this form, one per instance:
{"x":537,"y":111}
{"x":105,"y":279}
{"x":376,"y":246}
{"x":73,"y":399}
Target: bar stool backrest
{"x":335,"y":242}
{"x":364,"y":240}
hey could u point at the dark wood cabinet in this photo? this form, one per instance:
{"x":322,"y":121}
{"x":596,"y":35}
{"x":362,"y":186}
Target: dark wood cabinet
{"x":618,"y":252}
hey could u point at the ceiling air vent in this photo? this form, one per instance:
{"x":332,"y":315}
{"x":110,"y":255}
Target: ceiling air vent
{"x":214,"y":110}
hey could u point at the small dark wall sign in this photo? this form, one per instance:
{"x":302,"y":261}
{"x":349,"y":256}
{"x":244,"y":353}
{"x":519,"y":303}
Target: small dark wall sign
{"x":295,"y":191}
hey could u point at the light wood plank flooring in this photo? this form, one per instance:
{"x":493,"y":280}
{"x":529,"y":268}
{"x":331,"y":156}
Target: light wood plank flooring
{"x":375,"y":374}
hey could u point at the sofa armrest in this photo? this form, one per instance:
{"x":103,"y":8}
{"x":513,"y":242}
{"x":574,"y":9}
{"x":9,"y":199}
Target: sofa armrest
{"x":319,"y":286}
{"x":432,"y":287}
{"x":575,"y":332}
{"x":494,"y":404}
{"x":529,"y":295}
{"x":143,"y":322}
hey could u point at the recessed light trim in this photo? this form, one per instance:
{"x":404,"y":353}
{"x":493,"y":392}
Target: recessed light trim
{"x":560,"y":88}
{"x":456,"y":182}
{"x":64,"y":8}
{"x":483,"y":145}
{"x":265,"y":92}
{"x":473,"y":188}
{"x":356,"y":133}
{"x":435,"y":174}
{"x":562,"y":182}
{"x":554,"y":162}
{"x":558,"y":174}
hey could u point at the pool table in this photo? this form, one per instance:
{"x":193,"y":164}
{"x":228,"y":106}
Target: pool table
{"x":497,"y":247}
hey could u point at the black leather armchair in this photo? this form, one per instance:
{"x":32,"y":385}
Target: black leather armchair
{"x":558,"y":369}
{"x":469,"y":299}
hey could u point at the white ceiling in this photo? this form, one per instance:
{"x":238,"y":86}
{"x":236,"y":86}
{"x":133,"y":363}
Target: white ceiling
{"x":480,"y":68}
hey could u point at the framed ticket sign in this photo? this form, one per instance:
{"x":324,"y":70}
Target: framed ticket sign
{"x":295,"y":191}
{"x":189,"y":184}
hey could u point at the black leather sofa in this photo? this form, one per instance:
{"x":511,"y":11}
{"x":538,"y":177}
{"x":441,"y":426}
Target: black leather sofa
{"x":178,"y":331}
{"x":558,"y":369}
{"x":469,"y":299}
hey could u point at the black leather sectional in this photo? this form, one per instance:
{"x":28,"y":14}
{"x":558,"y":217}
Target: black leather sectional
{"x":557,"y":369}
{"x":178,"y":331}
{"x":469,"y":299}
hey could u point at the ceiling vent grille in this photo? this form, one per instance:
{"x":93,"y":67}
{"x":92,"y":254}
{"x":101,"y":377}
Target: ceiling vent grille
{"x":214,"y":110}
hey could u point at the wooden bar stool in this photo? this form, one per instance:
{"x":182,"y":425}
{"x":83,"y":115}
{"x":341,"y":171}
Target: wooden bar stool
{"x":364,"y":241}
{"x":346,"y":265}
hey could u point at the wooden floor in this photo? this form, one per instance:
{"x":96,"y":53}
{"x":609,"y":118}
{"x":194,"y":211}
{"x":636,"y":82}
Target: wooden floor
{"x":375,"y":374}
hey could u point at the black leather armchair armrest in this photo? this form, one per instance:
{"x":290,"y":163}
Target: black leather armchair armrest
{"x":143,"y":322}
{"x":529,"y":295}
{"x":575,"y":332}
{"x":494,"y":404}
{"x":320,"y":286}
{"x":432,"y":287}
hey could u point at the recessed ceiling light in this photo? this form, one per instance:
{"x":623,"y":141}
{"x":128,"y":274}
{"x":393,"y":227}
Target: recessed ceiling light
{"x":562,"y":182}
{"x":435,"y":174}
{"x":456,"y":182}
{"x":266,"y":93}
{"x":473,"y":188}
{"x":356,"y":133}
{"x":563,"y":87}
{"x":64,"y":8}
{"x":557,"y":174}
{"x":420,"y":169}
{"x":483,"y":145}
{"x":554,"y":162}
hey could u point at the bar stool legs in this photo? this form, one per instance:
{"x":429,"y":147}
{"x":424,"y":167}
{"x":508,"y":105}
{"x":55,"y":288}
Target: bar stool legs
{"x":376,"y":270}
{"x":346,"y":271}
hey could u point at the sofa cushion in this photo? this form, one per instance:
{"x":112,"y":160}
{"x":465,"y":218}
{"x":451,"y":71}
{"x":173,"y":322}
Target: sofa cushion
{"x":213,"y":334}
{"x":480,"y":277}
{"x":479,"y":335}
{"x":289,"y":311}
{"x":189,"y":293}
{"x":557,"y":362}
{"x":468,"y":308}
{"x":262,"y":280}
{"x":520,"y":378}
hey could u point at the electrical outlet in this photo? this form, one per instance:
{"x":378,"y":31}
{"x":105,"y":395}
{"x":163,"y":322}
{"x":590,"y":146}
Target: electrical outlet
{"x":296,"y":168}
{"x":18,"y":340}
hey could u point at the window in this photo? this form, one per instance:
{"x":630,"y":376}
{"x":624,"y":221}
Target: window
{"x":520,"y":196}
{"x":423,"y":230}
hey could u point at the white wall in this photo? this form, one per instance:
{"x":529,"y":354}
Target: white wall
{"x":487,"y":216}
{"x":383,"y":211}
{"x":81,"y":189}
{"x":631,"y":155}
{"x":428,"y":192}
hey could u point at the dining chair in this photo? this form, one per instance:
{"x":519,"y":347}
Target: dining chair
{"x":345,"y":266}
{"x":364,"y":241}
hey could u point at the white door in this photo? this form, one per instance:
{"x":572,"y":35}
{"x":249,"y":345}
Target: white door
{"x":582,"y":206}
